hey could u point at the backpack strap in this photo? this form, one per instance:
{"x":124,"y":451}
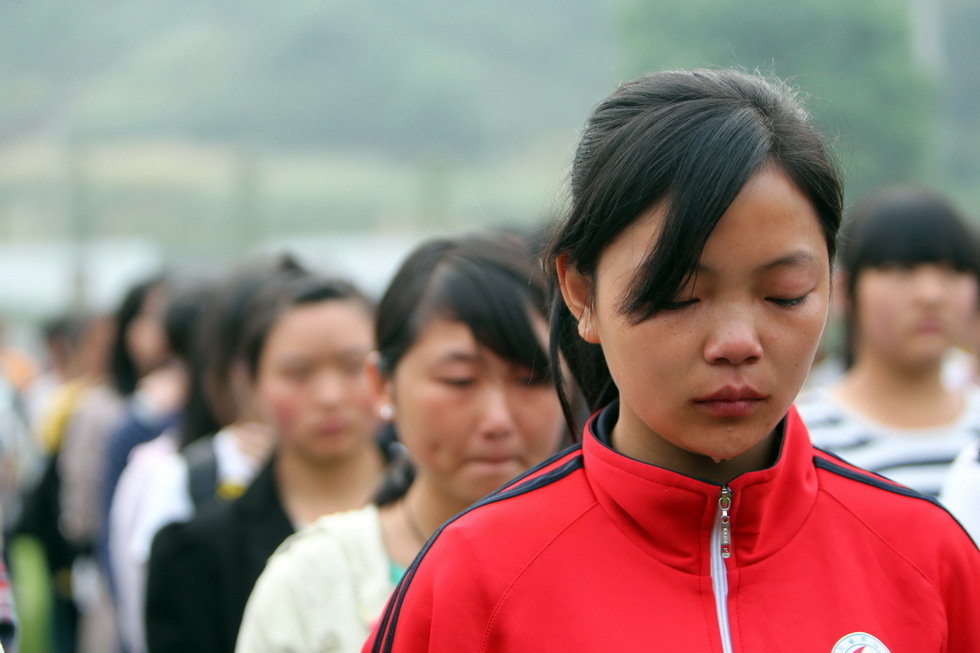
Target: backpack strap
{"x":202,"y":471}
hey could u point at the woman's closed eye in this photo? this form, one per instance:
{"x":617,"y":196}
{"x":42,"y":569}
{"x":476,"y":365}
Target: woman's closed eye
{"x":297,"y":373}
{"x":788,"y":302}
{"x":677,"y":303}
{"x":785,"y":302}
{"x":458,"y":381}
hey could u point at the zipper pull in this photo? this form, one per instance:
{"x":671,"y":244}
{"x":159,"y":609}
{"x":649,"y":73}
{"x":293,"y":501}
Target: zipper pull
{"x":724,"y":505}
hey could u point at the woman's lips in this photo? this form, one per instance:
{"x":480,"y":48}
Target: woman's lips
{"x":729,"y":407}
{"x":731,"y":401}
{"x":331,"y":428}
{"x":930,"y":327}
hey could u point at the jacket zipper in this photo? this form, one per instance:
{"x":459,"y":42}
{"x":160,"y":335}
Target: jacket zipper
{"x":721,"y":550}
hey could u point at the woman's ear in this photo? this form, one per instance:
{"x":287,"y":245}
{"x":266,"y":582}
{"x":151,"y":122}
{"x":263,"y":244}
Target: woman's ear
{"x":380,"y":387}
{"x":576,"y":290}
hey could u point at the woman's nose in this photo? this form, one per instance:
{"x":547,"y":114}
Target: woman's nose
{"x":330,"y":388}
{"x":930,"y":284}
{"x":498,"y":418}
{"x":734,"y":341}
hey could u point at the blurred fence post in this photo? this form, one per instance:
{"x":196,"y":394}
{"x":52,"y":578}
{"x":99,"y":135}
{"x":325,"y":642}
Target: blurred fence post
{"x":79,"y":224}
{"x":434,"y":191}
{"x":246,"y":221}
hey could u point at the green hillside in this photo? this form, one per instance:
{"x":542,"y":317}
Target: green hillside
{"x":467,"y":78}
{"x":214,"y":126}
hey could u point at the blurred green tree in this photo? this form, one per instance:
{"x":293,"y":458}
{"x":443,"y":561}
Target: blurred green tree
{"x":852,"y":61}
{"x":962,"y":138}
{"x":432,"y":76}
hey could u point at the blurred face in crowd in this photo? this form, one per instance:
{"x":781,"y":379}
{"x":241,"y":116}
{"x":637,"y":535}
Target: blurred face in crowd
{"x":146,"y":340}
{"x":470,"y":419}
{"x":911,"y":314}
{"x":311,"y":385}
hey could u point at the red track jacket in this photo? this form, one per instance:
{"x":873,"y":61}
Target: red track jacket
{"x":595,"y":551}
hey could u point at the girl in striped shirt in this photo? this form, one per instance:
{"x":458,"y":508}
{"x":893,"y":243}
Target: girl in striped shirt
{"x":909,"y":269}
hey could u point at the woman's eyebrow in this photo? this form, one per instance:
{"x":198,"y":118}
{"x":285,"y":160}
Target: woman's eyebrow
{"x":797,"y":259}
{"x":458,"y":356}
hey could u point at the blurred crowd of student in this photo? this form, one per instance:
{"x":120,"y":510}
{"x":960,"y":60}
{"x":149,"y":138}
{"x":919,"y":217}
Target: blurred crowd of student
{"x":158,"y":456}
{"x":153,"y":459}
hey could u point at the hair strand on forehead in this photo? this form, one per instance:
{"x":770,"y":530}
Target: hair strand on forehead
{"x":489,"y":283}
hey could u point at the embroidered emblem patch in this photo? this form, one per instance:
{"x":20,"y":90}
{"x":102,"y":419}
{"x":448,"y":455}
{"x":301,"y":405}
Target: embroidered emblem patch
{"x":859,"y":643}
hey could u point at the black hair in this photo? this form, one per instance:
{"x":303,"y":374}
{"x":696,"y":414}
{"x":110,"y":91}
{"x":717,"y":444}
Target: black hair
{"x":68,"y":328}
{"x":63,"y":336}
{"x":181,"y":320}
{"x":492,"y":283}
{"x":688,"y":141}
{"x":399,"y":473}
{"x":489,"y":283}
{"x":277,"y":298}
{"x":902,"y":226}
{"x":223,"y":327}
{"x":182,"y":324}
{"x":122,"y":368}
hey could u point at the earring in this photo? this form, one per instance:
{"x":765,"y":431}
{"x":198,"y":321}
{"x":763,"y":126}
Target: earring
{"x":386,"y":412}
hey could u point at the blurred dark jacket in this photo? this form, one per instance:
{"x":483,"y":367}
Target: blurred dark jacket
{"x":202,"y":571}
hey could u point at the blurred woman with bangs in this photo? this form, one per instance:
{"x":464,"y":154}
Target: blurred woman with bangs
{"x":909,"y":266}
{"x":301,"y":361}
{"x":462,"y":374}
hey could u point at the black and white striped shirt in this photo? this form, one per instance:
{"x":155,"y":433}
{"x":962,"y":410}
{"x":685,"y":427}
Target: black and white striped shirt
{"x":917,"y":457}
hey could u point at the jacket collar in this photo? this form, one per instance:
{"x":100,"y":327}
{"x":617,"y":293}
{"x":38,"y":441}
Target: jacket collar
{"x":671,"y":515}
{"x":262,"y":494}
{"x":261,"y":522}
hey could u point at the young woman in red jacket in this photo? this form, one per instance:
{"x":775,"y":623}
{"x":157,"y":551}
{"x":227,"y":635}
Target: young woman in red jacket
{"x":695,"y":515}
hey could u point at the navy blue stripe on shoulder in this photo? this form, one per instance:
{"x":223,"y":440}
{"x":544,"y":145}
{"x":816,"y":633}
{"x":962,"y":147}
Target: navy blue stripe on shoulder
{"x":550,"y":460}
{"x":872,"y":479}
{"x":834,"y":454}
{"x":386,"y":629}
